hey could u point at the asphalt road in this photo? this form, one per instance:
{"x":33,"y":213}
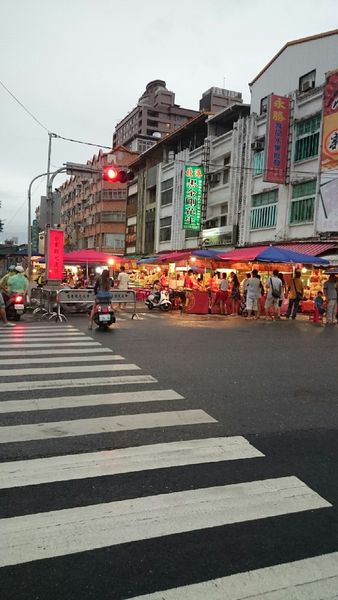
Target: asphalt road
{"x":200,"y":449}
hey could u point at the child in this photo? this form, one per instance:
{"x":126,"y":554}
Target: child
{"x":319,"y":304}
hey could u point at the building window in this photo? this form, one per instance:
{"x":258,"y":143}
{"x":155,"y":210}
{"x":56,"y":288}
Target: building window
{"x":114,"y":194}
{"x":165,"y":229}
{"x":167,"y":191}
{"x":263,"y":212}
{"x":258,"y":163}
{"x":307,"y":138}
{"x":112,"y":217}
{"x":190,"y":233}
{"x":307,"y":81}
{"x":303,"y":202}
{"x":114,"y":240}
{"x":264,"y":106}
{"x":226,"y":171}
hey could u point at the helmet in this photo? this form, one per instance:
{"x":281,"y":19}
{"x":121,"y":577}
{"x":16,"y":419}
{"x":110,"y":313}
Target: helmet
{"x":11,"y":268}
{"x":19,"y":269}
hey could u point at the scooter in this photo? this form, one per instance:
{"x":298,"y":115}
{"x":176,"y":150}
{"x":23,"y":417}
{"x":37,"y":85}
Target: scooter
{"x":158,"y":300}
{"x":104,"y":315}
{"x":15,"y":306}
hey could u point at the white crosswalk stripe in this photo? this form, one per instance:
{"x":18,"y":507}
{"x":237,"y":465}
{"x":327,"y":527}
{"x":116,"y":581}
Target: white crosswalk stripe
{"x":56,"y":533}
{"x":34,"y":404}
{"x":43,"y":431}
{"x":60,"y":359}
{"x":309,"y":579}
{"x":41,"y":351}
{"x":125,"y":460}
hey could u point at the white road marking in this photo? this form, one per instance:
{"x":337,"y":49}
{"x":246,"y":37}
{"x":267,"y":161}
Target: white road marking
{"x":30,"y":404}
{"x":56,"y":344}
{"x":68,"y":369}
{"x":59,"y":429}
{"x":73,"y":337}
{"x":34,"y":328}
{"x":57,"y":359}
{"x":124,"y":460}
{"x":58,"y":533}
{"x":44,"y":384}
{"x":55,"y":350}
{"x":314,"y":578}
{"x":13,"y":335}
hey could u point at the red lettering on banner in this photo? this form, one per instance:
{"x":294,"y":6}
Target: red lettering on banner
{"x":55,"y":254}
{"x":277,"y":139}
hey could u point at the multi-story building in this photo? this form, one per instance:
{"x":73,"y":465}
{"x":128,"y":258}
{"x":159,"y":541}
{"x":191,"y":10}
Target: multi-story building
{"x":216,"y":99}
{"x":155,"y":202}
{"x":93,"y":212}
{"x":274,"y":212}
{"x":155,"y":116}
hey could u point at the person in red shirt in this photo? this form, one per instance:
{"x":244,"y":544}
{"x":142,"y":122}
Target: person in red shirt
{"x":189,"y":280}
{"x":163,"y":279}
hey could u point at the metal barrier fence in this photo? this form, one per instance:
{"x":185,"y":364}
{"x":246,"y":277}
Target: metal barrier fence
{"x":50,"y":300}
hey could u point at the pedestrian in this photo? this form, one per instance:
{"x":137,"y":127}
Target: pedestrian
{"x":330,"y":291}
{"x":245,"y":284}
{"x":122,"y":284}
{"x":296,"y":291}
{"x":235,"y":294}
{"x":222,"y":294}
{"x":253,"y":292}
{"x":3,"y":313}
{"x":283,"y":294}
{"x":274,"y":293}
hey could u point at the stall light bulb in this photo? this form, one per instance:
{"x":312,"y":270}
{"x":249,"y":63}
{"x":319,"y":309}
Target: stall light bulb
{"x":193,"y":258}
{"x":111,"y":261}
{"x":304,"y":270}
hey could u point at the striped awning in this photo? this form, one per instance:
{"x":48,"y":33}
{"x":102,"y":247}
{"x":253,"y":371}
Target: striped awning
{"x":315,"y":249}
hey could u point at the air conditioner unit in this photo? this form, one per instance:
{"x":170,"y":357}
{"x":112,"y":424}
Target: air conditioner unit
{"x":257,"y":146}
{"x":81,"y":229}
{"x":307,"y":85}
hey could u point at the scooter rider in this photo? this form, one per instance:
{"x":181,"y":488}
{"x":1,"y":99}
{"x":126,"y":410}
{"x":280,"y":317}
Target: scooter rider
{"x":17,"y":283}
{"x":157,"y":290}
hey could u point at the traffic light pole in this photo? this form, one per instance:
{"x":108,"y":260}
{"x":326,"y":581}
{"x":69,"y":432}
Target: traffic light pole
{"x":29,"y":232}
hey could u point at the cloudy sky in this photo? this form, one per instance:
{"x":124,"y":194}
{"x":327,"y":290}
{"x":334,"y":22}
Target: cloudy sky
{"x":80,"y":65}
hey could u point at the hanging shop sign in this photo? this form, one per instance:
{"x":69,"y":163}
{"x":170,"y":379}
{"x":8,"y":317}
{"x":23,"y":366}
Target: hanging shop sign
{"x":193,"y":196}
{"x":277,"y":139}
{"x":327,"y":219}
{"x":55,"y":254}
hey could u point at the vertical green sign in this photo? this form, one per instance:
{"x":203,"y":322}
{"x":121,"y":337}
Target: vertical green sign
{"x":193,"y":195}
{"x":35,"y":236}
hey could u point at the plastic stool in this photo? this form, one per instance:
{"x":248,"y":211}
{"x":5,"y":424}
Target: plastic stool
{"x":316,"y":317}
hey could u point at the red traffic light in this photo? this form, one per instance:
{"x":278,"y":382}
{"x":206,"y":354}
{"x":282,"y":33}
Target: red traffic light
{"x":116,"y":174}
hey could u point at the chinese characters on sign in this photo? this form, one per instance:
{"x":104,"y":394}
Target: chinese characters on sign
{"x":327,"y":219}
{"x":192,"y":199}
{"x":55,"y":254}
{"x":277,"y":139}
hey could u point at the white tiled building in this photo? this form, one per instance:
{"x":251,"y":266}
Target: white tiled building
{"x":289,"y":212}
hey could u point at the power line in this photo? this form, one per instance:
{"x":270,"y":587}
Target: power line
{"x":24,"y":107}
{"x":55,"y":135}
{"x":80,"y":142}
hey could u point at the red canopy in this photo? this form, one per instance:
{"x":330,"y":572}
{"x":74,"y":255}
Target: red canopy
{"x":89,"y":256}
{"x":242,"y":254}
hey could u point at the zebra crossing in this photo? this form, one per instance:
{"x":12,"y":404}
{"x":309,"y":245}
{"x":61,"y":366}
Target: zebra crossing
{"x":42,"y":410}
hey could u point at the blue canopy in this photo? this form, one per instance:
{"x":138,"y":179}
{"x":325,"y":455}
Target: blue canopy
{"x":205,"y":253}
{"x":283,"y":255}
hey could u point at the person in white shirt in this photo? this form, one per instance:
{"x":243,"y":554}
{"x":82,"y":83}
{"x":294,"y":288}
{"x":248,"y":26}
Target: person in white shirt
{"x":122,"y":284}
{"x":253,"y":292}
{"x":274,"y":294}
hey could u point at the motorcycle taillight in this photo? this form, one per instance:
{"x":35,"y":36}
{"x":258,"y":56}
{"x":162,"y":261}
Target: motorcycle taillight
{"x":18,"y":299}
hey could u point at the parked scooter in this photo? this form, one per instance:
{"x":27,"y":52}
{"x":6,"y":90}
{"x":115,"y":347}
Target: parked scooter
{"x":158,"y":300}
{"x":104,"y":315}
{"x":15,"y":306}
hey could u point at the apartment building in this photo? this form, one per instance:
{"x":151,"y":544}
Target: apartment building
{"x":155,"y":116}
{"x":292,"y":210}
{"x":93,"y":212}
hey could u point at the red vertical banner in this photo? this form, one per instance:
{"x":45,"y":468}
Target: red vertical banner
{"x":55,"y":254}
{"x":277,"y":139}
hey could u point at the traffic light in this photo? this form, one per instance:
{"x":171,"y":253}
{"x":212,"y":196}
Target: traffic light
{"x":114,"y":174}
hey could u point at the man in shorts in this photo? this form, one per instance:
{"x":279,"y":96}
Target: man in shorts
{"x":253,"y":292}
{"x":274,"y":294}
{"x":3,"y":312}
